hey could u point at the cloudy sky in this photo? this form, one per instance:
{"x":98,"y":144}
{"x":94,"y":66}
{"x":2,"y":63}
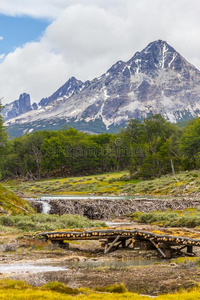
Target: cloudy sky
{"x":45,"y":42}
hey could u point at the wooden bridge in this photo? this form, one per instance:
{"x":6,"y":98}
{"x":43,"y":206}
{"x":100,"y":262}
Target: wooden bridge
{"x":112,"y":239}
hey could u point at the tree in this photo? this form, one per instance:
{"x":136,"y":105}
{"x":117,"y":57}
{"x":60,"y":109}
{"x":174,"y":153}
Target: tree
{"x":190,"y":145}
{"x":152,"y":146}
{"x":158,"y":133}
{"x":134,"y":140}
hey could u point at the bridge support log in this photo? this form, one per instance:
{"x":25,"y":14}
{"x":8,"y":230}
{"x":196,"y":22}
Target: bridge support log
{"x":108,"y":249}
{"x":189,"y":249}
{"x":123,"y":244}
{"x":159,"y":249}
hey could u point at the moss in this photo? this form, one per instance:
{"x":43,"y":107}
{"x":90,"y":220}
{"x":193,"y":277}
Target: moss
{"x":19,"y":290}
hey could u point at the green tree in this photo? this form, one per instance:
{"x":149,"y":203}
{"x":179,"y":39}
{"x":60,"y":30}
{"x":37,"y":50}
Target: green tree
{"x":190,"y":145}
{"x":152,"y":146}
{"x":134,"y":140}
{"x":158,"y":133}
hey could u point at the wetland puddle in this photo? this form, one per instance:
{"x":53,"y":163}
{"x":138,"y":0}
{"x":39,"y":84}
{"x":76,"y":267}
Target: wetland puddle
{"x":42,"y":267}
{"x":20,"y":268}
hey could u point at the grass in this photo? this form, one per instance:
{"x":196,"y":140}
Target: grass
{"x":10,"y":204}
{"x":109,"y":183}
{"x":187,"y":218}
{"x":43,"y":222}
{"x":14,"y":290}
{"x":184,"y":183}
{"x":187,"y":261}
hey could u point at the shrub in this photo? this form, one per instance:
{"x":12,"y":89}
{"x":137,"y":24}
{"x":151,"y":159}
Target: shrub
{"x":6,"y":221}
{"x":60,"y":287}
{"x":9,"y":246}
{"x":44,"y":222}
{"x":114,"y":288}
{"x":13,"y":284}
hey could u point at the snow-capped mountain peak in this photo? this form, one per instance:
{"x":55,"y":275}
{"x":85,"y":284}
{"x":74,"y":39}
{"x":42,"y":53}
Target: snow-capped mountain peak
{"x":156,"y":80}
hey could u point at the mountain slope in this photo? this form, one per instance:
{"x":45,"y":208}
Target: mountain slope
{"x":156,"y":80}
{"x":18,"y":107}
{"x":71,"y":87}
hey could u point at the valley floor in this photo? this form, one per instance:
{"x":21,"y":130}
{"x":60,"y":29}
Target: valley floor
{"x":82,"y":270}
{"x":157,"y":278}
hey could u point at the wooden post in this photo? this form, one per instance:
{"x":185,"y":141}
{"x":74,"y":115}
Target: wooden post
{"x":156,"y":246}
{"x":123,"y":243}
{"x":129,"y":243}
{"x":189,"y":249}
{"x":111,"y":245}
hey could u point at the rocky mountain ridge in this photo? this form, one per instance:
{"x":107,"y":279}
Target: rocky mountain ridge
{"x":18,"y":107}
{"x":156,"y":80}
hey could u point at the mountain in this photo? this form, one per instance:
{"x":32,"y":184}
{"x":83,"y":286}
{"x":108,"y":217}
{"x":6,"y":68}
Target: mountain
{"x":70,"y":88}
{"x":156,"y":80}
{"x":18,"y":107}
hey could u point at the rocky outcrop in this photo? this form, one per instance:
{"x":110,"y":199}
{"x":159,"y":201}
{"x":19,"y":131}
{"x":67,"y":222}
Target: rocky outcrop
{"x":18,"y":107}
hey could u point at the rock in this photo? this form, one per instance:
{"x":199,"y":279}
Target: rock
{"x":18,"y":107}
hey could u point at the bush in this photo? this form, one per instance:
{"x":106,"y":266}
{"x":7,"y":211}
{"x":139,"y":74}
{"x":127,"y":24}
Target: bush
{"x":43,"y":222}
{"x":114,"y":288}
{"x":173,"y":219}
{"x":14,"y":284}
{"x":60,"y":287}
{"x":6,"y":221}
{"x":9,"y":246}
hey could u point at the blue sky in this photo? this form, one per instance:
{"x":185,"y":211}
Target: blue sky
{"x":16,"y":31}
{"x":45,"y":42}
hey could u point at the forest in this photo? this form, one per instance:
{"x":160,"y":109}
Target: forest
{"x":148,"y":149}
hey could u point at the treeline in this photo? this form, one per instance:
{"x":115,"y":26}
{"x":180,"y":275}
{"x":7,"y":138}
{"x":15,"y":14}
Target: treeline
{"x":147,"y":149}
{"x":66,"y":152}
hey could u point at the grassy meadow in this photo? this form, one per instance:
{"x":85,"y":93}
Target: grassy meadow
{"x":14,"y":290}
{"x":184,"y":183}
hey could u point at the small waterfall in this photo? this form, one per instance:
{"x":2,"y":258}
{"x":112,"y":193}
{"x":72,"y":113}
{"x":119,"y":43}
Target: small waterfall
{"x":45,"y":204}
{"x":46,"y":207}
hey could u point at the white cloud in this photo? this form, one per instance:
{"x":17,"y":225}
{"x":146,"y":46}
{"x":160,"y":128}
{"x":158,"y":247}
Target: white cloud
{"x":1,"y":38}
{"x":85,"y":40}
{"x":48,"y":8}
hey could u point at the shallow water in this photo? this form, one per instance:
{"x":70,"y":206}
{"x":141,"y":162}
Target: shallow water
{"x":36,"y":267}
{"x":90,"y":264}
{"x":29,"y":267}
